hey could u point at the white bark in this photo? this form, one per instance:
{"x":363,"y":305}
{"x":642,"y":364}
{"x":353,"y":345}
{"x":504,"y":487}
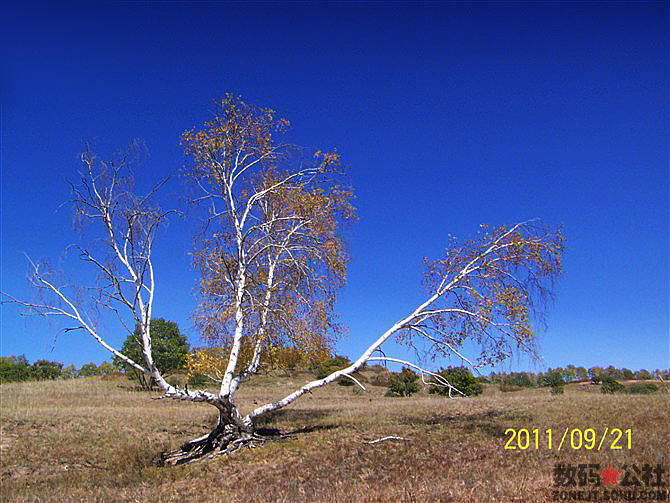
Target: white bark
{"x":251,"y":242}
{"x":384,"y":439}
{"x":227,"y":381}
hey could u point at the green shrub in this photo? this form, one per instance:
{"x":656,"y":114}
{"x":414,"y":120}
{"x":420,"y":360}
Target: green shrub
{"x":345,"y":381}
{"x":460,"y":378}
{"x":643,"y":388}
{"x":554,"y":378}
{"x":324,"y":369}
{"x":403,"y":384}
{"x":610,"y":385}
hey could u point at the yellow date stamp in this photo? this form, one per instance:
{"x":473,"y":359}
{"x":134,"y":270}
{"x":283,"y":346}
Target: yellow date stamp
{"x":577,"y":439}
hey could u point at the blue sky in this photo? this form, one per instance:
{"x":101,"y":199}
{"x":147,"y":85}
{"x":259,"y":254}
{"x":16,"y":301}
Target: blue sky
{"x":449,"y":115}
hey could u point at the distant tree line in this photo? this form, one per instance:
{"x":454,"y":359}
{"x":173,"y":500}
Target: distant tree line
{"x":570,"y":374}
{"x":17,"y":368}
{"x":172,"y":354}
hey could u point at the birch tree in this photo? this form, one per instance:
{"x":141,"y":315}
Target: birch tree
{"x":119,"y":254}
{"x":271,"y":256}
{"x":276,"y":255}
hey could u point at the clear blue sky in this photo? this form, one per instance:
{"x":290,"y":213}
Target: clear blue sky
{"x":449,"y":115}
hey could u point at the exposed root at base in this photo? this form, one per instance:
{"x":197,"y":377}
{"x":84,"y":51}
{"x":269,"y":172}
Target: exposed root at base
{"x":220,"y":441}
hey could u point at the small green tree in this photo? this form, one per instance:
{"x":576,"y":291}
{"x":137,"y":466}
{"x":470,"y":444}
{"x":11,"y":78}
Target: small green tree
{"x":403,"y":384}
{"x":554,"y":378}
{"x":168,"y":347}
{"x":460,"y":378}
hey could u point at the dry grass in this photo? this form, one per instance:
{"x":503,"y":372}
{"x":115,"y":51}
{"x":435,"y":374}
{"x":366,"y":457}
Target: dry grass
{"x":93,"y":440}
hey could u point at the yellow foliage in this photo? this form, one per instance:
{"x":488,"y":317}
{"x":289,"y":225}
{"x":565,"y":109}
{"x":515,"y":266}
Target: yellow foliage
{"x":212,"y":362}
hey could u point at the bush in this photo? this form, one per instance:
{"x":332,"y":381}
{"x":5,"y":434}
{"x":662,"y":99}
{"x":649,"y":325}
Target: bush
{"x":345,"y":381}
{"x":643,"y":388}
{"x":610,"y":385}
{"x":557,"y":390}
{"x":403,"y":384}
{"x":553,"y":378}
{"x":331,"y":365}
{"x":462,"y":379}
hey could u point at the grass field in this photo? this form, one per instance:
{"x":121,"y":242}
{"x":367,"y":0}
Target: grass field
{"x":95,"y":440}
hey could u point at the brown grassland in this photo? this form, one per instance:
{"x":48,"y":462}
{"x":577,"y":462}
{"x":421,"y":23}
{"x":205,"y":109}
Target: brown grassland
{"x":94,"y":439}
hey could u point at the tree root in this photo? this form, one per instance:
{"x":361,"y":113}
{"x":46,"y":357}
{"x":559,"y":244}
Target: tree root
{"x":223,"y":440}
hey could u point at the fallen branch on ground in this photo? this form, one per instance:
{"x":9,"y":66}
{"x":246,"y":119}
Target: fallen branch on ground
{"x":383,"y":439}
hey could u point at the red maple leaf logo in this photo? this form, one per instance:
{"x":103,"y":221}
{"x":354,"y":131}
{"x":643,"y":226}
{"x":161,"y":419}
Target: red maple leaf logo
{"x":610,"y":475}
